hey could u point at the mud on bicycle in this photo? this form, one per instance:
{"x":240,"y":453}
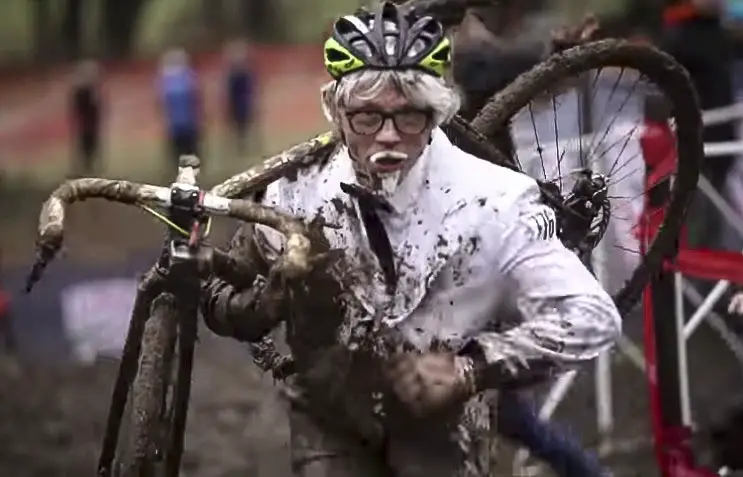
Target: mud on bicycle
{"x":162,"y":331}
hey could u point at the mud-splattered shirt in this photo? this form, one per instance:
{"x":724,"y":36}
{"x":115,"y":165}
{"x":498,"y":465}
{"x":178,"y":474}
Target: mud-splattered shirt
{"x":479,"y":268}
{"x":474,"y":247}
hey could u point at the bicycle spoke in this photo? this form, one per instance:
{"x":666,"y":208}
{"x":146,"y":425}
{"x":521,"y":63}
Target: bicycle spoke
{"x":536,"y":137}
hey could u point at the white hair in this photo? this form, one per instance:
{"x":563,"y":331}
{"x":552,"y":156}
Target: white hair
{"x":422,"y":89}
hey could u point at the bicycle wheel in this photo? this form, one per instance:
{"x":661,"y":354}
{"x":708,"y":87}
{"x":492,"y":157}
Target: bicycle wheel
{"x":148,"y":427}
{"x":557,"y":114}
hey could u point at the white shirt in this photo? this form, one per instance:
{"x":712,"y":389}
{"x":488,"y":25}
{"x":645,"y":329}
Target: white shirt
{"x":474,"y":246}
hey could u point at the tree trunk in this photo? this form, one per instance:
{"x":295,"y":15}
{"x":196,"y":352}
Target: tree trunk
{"x":262,"y":19}
{"x":42,"y":30}
{"x":119,"y":20}
{"x":213,"y":14}
{"x":72,"y":29}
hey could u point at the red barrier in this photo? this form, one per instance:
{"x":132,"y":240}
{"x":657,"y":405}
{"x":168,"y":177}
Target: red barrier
{"x":4,"y":303}
{"x":673,"y":451}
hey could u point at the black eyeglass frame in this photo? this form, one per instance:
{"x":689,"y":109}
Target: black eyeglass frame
{"x":383,"y":116}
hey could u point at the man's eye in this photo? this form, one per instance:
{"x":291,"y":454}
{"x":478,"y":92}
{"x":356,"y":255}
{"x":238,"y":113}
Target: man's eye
{"x":412,"y":118}
{"x":366,"y":119}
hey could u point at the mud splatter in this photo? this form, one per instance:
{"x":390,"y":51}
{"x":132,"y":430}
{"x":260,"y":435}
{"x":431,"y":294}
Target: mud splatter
{"x":338,"y":205}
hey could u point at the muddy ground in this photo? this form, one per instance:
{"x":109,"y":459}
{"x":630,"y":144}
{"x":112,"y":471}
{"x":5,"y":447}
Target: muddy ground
{"x":52,"y":415}
{"x":52,"y":419}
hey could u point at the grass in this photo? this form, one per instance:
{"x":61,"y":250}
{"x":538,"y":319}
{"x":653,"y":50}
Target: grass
{"x":163,"y":23}
{"x":16,"y":38}
{"x":167,"y":22}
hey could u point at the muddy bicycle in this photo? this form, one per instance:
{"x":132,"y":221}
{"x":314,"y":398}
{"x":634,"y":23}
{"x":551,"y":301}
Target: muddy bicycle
{"x":155,"y":372}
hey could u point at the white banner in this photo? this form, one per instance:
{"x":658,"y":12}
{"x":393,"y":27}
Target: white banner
{"x":96,"y":314}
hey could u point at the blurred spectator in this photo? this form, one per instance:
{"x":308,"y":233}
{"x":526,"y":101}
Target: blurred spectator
{"x":180,"y":102}
{"x":240,"y":95}
{"x":487,"y":58}
{"x":486,"y":37}
{"x":694,"y":34}
{"x":86,"y":114}
{"x":494,"y":45}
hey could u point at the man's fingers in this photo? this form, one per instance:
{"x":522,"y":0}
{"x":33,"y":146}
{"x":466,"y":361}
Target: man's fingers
{"x":424,"y":382}
{"x":408,"y":389}
{"x":559,"y":33}
{"x":590,"y":19}
{"x":590,"y":27}
{"x":587,"y":29}
{"x":400,"y":365}
{"x":589,"y":33}
{"x":435,"y":364}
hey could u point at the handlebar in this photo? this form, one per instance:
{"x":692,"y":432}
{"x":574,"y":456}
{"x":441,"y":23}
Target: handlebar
{"x":295,"y":261}
{"x":278,"y":166}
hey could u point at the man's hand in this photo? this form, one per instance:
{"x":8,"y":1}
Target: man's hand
{"x":565,"y":38}
{"x":431,"y":381}
{"x":735,"y":307}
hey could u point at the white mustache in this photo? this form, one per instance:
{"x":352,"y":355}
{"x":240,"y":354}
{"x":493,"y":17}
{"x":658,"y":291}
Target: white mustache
{"x":375,"y":158}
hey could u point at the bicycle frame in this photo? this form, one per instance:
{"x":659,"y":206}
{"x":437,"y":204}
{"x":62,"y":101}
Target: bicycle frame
{"x":176,"y":273}
{"x":179,"y":267}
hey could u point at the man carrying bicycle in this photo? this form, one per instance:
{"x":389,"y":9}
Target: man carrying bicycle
{"x":438,"y":248}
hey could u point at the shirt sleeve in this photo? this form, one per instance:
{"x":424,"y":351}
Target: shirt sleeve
{"x":568,"y":318}
{"x":270,"y":243}
{"x":236,"y":310}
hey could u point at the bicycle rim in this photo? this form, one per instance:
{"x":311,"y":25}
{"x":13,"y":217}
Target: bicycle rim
{"x":608,"y":62}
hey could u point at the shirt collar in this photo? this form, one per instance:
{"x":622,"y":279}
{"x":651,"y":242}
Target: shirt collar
{"x":409,"y":190}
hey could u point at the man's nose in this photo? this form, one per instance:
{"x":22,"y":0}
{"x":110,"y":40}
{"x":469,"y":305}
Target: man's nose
{"x":388,"y":134}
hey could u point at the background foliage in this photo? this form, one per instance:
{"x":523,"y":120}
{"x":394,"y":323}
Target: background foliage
{"x":47,"y":30}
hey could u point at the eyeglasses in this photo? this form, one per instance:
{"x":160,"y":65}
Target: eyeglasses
{"x":407,"y":121}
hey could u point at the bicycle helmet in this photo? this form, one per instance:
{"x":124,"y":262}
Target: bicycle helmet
{"x":390,"y":38}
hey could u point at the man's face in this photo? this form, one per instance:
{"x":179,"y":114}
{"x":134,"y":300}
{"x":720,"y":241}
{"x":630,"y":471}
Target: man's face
{"x":387,"y":134}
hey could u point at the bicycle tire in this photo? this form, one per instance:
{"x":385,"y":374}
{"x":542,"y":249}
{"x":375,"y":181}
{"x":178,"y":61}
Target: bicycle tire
{"x":496,"y":151}
{"x":672,"y":80}
{"x":149,"y":387}
{"x":180,"y":379}
{"x":148,"y":289}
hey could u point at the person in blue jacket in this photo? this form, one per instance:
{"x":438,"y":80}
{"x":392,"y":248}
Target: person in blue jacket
{"x":180,"y":103}
{"x":240,"y":96}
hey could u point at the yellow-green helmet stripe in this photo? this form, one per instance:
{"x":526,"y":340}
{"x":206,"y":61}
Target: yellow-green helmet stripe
{"x":339,"y":60}
{"x":434,"y":64}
